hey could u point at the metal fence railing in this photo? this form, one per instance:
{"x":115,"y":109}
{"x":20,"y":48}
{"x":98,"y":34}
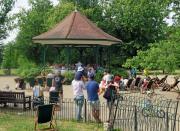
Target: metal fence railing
{"x":127,"y":110}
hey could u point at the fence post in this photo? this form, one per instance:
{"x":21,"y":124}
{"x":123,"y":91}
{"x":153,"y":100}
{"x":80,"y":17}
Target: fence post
{"x":167,"y":116}
{"x":167,"y":121}
{"x":174,"y":126}
{"x":135,"y":119}
{"x":85,"y":110}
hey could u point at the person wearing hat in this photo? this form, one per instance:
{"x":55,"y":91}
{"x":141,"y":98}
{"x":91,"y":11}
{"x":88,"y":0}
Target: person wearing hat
{"x":57,"y":82}
{"x":79,"y":75}
{"x":92,"y":88}
{"x":78,"y":86}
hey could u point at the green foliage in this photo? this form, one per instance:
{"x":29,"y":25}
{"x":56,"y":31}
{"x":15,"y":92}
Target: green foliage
{"x":9,"y":56}
{"x":69,"y":75}
{"x":27,"y":69}
{"x":119,"y":71}
{"x":175,"y":7}
{"x":140,"y":20}
{"x":99,"y":76}
{"x":32,"y":23}
{"x":5,"y":8}
{"x":137,"y":23}
{"x":163,"y":55}
{"x":56,"y":14}
{"x":82,"y":3}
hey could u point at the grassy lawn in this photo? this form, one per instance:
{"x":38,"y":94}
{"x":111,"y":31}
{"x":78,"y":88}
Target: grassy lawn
{"x":20,"y":123}
{"x":13,"y":72}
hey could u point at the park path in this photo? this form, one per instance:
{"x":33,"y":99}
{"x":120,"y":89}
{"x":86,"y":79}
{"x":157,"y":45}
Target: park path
{"x":68,"y":89}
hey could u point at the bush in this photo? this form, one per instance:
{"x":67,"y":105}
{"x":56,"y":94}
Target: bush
{"x":7,"y":71}
{"x":119,"y":71}
{"x":28,"y":69}
{"x":114,"y":71}
{"x":69,"y":75}
{"x":98,"y":76}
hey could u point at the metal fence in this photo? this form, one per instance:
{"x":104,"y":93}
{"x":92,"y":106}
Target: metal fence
{"x":127,"y":113}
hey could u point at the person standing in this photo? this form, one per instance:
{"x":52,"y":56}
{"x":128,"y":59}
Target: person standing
{"x":80,"y":74}
{"x":133,"y":72}
{"x":92,"y":88}
{"x":58,"y":81}
{"x":146,"y":72}
{"x":38,"y":97}
{"x":78,"y":86}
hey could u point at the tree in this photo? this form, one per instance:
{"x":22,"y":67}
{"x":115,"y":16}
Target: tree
{"x":5,"y":7}
{"x":9,"y":57}
{"x":175,"y":7}
{"x":86,"y":4}
{"x":32,"y":23}
{"x":1,"y":52}
{"x":137,"y":23}
{"x":163,"y":56}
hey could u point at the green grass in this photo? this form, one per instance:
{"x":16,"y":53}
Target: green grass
{"x":13,"y":72}
{"x":21,"y":123}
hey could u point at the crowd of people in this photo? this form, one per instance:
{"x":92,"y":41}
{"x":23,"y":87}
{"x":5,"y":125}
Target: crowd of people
{"x":84,"y":79}
{"x":108,"y":86}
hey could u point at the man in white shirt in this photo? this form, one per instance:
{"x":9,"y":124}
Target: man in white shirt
{"x":78,"y":86}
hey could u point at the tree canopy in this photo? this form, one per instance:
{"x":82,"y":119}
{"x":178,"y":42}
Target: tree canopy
{"x":5,"y":8}
{"x":139,"y":24}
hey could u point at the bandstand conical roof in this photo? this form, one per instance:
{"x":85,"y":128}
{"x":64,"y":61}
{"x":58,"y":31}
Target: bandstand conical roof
{"x":76,"y":29}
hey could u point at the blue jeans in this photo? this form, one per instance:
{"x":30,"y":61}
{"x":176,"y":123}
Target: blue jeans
{"x":79,"y":100}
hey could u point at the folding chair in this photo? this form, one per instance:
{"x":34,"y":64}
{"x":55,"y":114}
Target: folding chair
{"x":40,"y":81}
{"x":45,"y":113}
{"x":49,"y":82}
{"x":54,"y":97}
{"x":163,"y":80}
{"x":149,"y":85}
{"x":129,"y":83}
{"x":31,"y":82}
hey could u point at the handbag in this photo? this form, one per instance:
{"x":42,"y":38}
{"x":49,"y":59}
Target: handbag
{"x":110,"y":93}
{"x":107,"y":94}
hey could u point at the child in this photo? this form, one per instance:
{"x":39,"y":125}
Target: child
{"x":38,"y":97}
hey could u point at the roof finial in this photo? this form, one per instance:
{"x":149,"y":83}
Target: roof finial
{"x":75,"y":6}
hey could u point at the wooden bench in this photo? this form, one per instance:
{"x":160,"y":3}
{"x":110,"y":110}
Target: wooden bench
{"x":16,"y":98}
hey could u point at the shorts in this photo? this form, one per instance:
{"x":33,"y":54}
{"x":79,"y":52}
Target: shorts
{"x":95,"y":105}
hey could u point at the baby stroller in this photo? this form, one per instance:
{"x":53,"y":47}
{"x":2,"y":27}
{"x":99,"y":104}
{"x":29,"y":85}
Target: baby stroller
{"x":38,"y":98}
{"x":37,"y":101}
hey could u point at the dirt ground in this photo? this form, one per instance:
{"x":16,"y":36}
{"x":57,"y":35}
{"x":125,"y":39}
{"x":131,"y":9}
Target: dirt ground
{"x":9,"y":80}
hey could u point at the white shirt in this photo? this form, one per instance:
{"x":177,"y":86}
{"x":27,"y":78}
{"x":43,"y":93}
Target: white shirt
{"x":78,"y":87}
{"x":125,"y":81}
{"x":37,"y":91}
